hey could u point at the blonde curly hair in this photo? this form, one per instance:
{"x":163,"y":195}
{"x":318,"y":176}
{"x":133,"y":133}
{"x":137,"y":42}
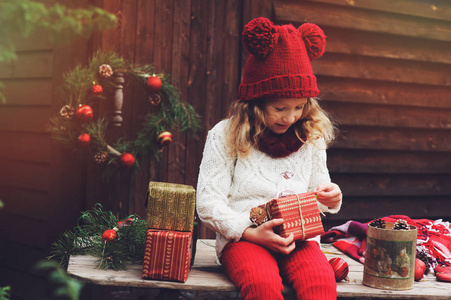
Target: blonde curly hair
{"x":247,"y":124}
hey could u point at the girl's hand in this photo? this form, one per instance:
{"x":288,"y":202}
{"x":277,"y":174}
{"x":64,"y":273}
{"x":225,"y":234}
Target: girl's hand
{"x":264,"y":235}
{"x":329,"y":194}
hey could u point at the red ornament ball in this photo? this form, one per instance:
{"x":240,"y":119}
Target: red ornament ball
{"x":127,"y":160}
{"x":164,"y":138}
{"x":84,"y":139}
{"x":341,"y":268}
{"x":109,"y":235}
{"x":154,"y":84}
{"x":420,"y":269}
{"x":85,"y":113}
{"x":97,"y":89}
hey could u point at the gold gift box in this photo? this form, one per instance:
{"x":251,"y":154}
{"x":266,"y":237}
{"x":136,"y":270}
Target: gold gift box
{"x":171,"y":206}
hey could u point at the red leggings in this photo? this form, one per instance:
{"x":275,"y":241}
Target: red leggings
{"x":258,"y":272}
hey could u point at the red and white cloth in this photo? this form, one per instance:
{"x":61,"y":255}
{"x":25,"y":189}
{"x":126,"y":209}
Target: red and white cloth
{"x":434,"y":237}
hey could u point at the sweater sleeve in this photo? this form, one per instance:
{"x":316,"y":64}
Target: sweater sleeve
{"x":214,"y":182}
{"x":320,"y":173}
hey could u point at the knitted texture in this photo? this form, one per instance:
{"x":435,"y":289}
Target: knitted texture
{"x":228,"y":187}
{"x":255,"y":271}
{"x":279,"y":61}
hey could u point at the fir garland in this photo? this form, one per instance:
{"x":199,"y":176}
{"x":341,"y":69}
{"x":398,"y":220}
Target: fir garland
{"x":77,"y":129}
{"x":87,"y":239}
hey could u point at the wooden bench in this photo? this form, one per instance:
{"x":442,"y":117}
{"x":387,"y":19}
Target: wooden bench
{"x":207,"y":275}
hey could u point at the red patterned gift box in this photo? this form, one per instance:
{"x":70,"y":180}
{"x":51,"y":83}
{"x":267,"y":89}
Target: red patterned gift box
{"x":167,"y":255}
{"x":300,"y":214}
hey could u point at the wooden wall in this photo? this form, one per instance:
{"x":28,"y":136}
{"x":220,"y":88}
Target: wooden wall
{"x":41,"y":186}
{"x":385,"y":79}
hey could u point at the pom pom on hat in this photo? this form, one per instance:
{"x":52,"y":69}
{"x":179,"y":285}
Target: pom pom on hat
{"x":260,"y":37}
{"x":279,"y":64}
{"x":314,"y":39}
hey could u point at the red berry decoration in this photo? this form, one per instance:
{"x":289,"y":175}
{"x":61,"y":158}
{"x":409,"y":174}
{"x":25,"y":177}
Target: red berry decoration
{"x":84,"y":139}
{"x":97,"y":89}
{"x":85,"y":113}
{"x":127,"y":160}
{"x":420,"y":269}
{"x":109,"y":235}
{"x":154,"y":84}
{"x":341,"y":268}
{"x":164,"y":138}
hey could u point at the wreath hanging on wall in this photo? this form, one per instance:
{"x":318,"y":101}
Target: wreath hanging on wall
{"x":80,"y":127}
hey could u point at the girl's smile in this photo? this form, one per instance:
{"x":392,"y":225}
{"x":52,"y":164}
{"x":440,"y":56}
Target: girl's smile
{"x":281,"y":113}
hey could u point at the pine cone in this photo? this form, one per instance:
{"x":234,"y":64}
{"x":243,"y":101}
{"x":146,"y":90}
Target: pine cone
{"x":258,"y":215}
{"x":101,"y":157}
{"x":423,"y":256}
{"x":401,"y":225}
{"x":105,"y":71}
{"x":378,"y":223}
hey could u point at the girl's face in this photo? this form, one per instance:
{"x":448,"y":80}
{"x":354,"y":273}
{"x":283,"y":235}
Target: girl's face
{"x":281,"y":113}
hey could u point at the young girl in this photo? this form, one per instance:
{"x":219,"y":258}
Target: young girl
{"x":276,"y":130}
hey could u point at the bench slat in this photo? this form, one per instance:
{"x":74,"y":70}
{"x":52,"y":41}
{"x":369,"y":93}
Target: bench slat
{"x":207,"y":275}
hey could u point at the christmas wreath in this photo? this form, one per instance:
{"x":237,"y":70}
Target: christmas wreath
{"x":79,"y":127}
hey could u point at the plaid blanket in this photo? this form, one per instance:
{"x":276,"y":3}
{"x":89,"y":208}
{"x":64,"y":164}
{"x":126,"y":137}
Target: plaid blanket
{"x":434,"y":238}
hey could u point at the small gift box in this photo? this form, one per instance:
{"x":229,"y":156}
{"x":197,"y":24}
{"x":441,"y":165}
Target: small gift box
{"x":300,"y":214}
{"x":167,"y":255}
{"x":170,"y":206}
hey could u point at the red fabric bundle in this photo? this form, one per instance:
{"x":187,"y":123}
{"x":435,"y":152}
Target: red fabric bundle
{"x":167,"y":255}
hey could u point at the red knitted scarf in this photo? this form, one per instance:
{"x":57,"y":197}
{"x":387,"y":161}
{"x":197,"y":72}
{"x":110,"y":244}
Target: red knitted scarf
{"x":279,"y":145}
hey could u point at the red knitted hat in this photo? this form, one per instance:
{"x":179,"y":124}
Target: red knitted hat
{"x":279,"y":61}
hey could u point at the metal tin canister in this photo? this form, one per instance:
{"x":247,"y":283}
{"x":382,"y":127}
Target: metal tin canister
{"x":390,"y":257}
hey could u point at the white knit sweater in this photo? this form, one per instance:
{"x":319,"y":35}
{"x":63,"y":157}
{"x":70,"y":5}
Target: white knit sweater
{"x":228,"y":187}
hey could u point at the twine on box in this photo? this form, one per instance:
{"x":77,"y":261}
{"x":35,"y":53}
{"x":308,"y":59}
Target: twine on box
{"x":302,"y":218}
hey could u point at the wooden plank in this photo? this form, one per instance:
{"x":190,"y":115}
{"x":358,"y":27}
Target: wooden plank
{"x":110,"y":39}
{"x":29,"y":65}
{"x":23,"y":174}
{"x":356,"y":137}
{"x":387,"y":162}
{"x":341,"y":65}
{"x":26,"y":119}
{"x":25,"y":146}
{"x":440,"y":10}
{"x":179,"y":78}
{"x":360,"y":19}
{"x":356,"y":42}
{"x":23,"y":202}
{"x":382,"y":92}
{"x":206,"y":275}
{"x":370,"y":207}
{"x":348,"y":113}
{"x":24,"y":230}
{"x":393,"y":184}
{"x":128,"y":14}
{"x":37,"y":40}
{"x":23,"y":284}
{"x":28,"y":92}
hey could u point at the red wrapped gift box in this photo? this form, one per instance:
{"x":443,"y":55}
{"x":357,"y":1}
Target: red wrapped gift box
{"x":167,"y":255}
{"x":300,"y":214}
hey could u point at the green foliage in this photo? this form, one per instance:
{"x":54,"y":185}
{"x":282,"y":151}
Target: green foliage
{"x":86,"y":239}
{"x":21,"y":18}
{"x":5,"y":293}
{"x":63,"y":286}
{"x":170,"y":114}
